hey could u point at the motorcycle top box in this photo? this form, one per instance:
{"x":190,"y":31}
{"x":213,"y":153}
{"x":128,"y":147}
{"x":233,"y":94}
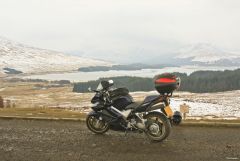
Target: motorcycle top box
{"x":166,"y":83}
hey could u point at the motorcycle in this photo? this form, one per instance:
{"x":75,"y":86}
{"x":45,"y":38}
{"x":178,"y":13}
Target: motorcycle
{"x":115,"y":109}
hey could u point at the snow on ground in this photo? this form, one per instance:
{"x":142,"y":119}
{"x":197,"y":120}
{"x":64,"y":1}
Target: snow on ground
{"x":206,"y":109}
{"x":221,"y":104}
{"x":34,"y":60}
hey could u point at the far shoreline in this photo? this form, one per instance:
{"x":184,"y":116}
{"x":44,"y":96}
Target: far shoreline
{"x":78,"y":76}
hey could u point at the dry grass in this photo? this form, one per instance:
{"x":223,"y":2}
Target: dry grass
{"x":41,"y":112}
{"x":54,"y":102}
{"x":212,"y":121}
{"x":27,"y":95}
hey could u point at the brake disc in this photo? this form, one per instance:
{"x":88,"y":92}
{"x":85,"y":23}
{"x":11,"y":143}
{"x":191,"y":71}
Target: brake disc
{"x":154,"y":128}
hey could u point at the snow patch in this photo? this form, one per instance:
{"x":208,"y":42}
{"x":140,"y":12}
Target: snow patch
{"x":34,"y":60}
{"x":205,"y":53}
{"x":224,"y":105}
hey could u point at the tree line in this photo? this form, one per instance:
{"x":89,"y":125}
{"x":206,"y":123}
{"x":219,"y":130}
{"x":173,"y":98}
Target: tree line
{"x":198,"y":82}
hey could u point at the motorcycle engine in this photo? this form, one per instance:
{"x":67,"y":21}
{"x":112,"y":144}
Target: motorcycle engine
{"x":137,"y":123}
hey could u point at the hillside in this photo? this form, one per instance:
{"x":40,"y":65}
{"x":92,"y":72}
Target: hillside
{"x":207,"y":54}
{"x":22,"y":58}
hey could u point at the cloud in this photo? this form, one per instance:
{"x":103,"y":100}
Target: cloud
{"x":126,"y":27}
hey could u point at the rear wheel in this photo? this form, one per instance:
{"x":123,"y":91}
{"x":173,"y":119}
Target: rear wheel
{"x":158,"y":126}
{"x":96,"y":125}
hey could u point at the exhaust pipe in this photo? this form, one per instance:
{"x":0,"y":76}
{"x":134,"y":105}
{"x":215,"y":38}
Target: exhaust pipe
{"x":177,"y":118}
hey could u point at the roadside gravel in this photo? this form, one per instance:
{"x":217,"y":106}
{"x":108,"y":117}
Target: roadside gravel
{"x":24,"y":140}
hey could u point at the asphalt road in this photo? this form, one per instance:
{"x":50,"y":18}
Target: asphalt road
{"x":31,"y":140}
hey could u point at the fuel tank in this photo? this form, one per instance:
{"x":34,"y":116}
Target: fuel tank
{"x":122,"y":102}
{"x":121,"y":98}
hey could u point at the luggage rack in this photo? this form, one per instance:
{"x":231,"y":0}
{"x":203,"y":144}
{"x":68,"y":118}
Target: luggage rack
{"x":166,"y":94}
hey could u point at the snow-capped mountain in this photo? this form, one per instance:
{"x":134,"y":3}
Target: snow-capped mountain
{"x":28,"y":59}
{"x":208,"y":54}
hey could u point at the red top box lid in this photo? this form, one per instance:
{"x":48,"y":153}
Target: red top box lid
{"x":165,"y":80}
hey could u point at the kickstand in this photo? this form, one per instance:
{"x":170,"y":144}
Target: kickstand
{"x":125,"y":133}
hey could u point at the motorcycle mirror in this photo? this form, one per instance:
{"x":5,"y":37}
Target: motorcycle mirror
{"x":89,"y":89}
{"x":110,"y":81}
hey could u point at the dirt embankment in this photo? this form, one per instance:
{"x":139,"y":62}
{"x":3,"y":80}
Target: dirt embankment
{"x":60,"y":140}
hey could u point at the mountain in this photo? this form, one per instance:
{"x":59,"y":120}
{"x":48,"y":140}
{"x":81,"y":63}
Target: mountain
{"x":207,"y":54}
{"x":16,"y":57}
{"x":203,"y":54}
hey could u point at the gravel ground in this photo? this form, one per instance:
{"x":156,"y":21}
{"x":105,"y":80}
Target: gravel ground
{"x":68,"y":140}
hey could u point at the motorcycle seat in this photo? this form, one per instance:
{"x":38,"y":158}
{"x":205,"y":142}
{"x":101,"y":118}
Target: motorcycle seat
{"x":151,"y":98}
{"x":133,"y":105}
{"x":145,"y":102}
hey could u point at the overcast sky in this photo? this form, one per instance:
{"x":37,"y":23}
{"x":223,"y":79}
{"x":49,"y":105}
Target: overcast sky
{"x":123,"y":27}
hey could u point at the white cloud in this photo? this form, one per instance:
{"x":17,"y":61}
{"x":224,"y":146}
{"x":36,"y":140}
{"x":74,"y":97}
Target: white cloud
{"x":124,"y":27}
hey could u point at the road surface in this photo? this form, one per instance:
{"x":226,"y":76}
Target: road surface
{"x":34,"y":140}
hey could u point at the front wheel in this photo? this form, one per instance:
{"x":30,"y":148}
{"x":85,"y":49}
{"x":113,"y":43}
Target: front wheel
{"x":158,"y":126}
{"x":96,"y":125}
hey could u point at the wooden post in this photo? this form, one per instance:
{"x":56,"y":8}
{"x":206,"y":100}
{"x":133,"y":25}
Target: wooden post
{"x":1,"y":102}
{"x":184,"y":109}
{"x":8,"y":104}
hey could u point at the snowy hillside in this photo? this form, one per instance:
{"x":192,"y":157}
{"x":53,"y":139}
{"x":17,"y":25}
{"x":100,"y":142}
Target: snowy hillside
{"x":33,"y":60}
{"x":204,"y":53}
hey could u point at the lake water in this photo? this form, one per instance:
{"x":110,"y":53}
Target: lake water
{"x":86,"y":76}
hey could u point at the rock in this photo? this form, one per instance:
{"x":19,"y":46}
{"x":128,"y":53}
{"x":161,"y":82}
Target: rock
{"x":94,"y":145}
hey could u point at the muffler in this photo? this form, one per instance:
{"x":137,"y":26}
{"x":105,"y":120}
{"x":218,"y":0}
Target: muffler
{"x":176,"y":118}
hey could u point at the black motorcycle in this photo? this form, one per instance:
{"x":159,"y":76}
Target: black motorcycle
{"x":115,"y":109}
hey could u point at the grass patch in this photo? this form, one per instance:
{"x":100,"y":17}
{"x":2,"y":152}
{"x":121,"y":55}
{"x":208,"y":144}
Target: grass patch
{"x":41,"y":112}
